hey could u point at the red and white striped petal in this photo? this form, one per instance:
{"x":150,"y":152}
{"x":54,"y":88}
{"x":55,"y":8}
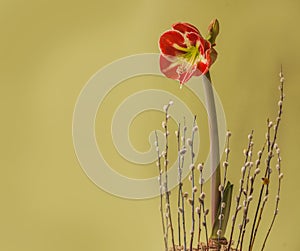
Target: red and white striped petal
{"x":170,"y":41}
{"x":185,"y":27}
{"x":175,"y":68}
{"x":193,"y":39}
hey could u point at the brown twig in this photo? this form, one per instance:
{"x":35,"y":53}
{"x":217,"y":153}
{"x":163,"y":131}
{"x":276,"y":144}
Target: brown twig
{"x":161,"y":191}
{"x":249,"y":191}
{"x":225,"y":165}
{"x":247,"y":200}
{"x":179,"y":199}
{"x":202,"y":204}
{"x":238,"y":198}
{"x":272,"y":143}
{"x":181,"y":154}
{"x":194,"y":188}
{"x":280,"y":176}
{"x":166,"y":162}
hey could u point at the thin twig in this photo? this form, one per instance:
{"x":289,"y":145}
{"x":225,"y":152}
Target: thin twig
{"x":249,"y":191}
{"x":223,"y":205}
{"x":202,"y":204}
{"x":238,"y":198}
{"x":181,"y":155}
{"x":166,"y":162}
{"x":161,"y":191}
{"x":179,"y":186}
{"x":256,"y":222}
{"x":280,"y":176}
{"x":248,"y":198}
{"x":194,"y":188}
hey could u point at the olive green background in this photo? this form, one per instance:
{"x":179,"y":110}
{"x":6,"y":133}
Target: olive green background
{"x":49,"y":50}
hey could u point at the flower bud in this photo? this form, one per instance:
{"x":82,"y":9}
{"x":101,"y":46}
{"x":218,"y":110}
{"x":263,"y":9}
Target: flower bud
{"x":213,"y":31}
{"x":200,"y":167}
{"x":202,"y":196}
{"x":189,"y":142}
{"x":195,"y":189}
{"x":192,"y":167}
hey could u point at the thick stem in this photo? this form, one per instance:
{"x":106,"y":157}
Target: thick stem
{"x":214,"y":146}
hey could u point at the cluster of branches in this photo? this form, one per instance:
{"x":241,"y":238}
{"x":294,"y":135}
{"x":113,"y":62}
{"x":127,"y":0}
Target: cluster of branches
{"x":193,"y":203}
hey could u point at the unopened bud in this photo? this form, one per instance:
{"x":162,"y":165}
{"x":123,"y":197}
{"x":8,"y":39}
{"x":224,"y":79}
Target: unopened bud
{"x":202,"y":196}
{"x":195,"y":189}
{"x":192,"y":167}
{"x":182,"y":151}
{"x":257,"y":171}
{"x":201,"y":181}
{"x":200,"y":167}
{"x":189,"y":142}
{"x":213,"y":31}
{"x":270,"y":124}
{"x":243,"y":169}
{"x":221,"y":188}
{"x":195,"y":128}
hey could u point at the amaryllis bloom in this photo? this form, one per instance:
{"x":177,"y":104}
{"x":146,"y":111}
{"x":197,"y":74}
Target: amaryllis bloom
{"x":185,"y":53}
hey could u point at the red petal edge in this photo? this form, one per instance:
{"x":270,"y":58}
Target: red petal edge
{"x":185,"y":27}
{"x":167,"y":41}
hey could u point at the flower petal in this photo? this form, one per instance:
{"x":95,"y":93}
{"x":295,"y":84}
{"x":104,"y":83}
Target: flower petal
{"x":204,"y":65}
{"x":211,"y":56}
{"x":194,"y":38}
{"x":168,"y":40}
{"x":202,"y":68}
{"x":185,"y":27}
{"x":204,"y":46}
{"x":171,"y":67}
{"x":168,"y":66}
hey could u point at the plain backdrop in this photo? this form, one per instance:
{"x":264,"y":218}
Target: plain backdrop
{"x":49,"y":50}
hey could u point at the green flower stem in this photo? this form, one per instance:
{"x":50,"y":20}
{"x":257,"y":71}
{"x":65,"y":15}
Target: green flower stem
{"x":214,"y":146}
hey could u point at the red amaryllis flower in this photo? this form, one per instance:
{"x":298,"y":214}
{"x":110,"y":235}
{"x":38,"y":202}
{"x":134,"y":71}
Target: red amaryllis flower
{"x":185,"y":53}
